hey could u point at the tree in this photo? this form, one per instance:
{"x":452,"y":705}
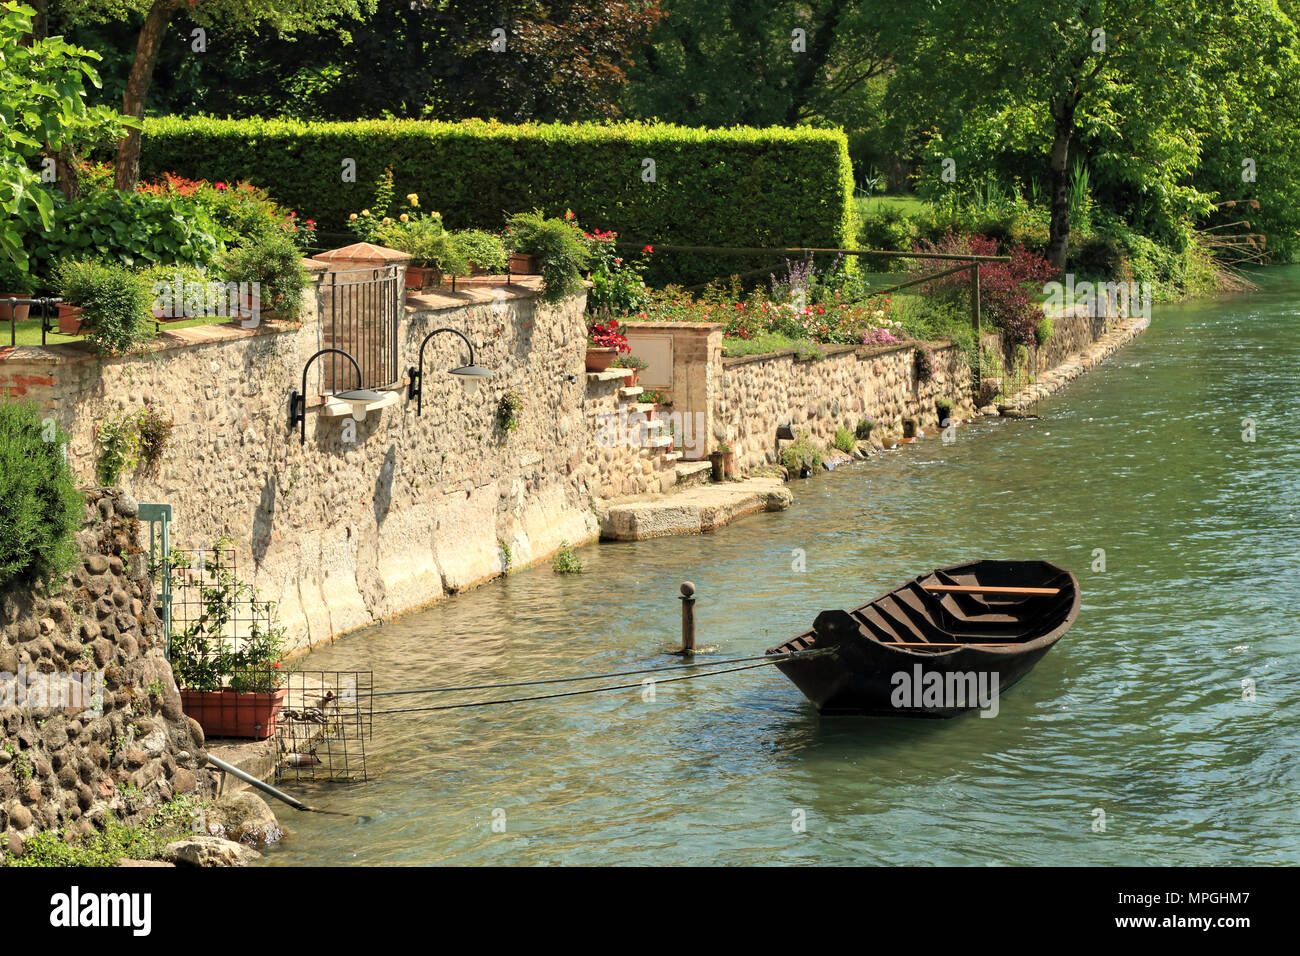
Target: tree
{"x":43,"y":115}
{"x":758,"y":62}
{"x":1140,"y":80}
{"x":287,"y":16}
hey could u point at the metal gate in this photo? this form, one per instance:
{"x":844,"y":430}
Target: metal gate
{"x":359,"y":312}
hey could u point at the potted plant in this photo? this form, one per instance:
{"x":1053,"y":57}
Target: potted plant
{"x":15,"y":283}
{"x":862,"y":431}
{"x":111,"y":302}
{"x":636,"y":365}
{"x":560,"y":247}
{"x":484,"y":253}
{"x":604,"y":344}
{"x":716,"y":459}
{"x":271,"y":268}
{"x":233,"y":686}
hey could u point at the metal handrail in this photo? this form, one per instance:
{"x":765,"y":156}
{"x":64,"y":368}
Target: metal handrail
{"x":13,"y":303}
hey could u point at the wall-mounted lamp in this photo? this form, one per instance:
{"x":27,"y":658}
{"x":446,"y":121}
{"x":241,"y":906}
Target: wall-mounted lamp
{"x":468,"y":375}
{"x":357,"y":398}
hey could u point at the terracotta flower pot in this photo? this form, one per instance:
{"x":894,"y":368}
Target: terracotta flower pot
{"x":729,"y":464}
{"x":600,"y":359}
{"x":227,"y":713}
{"x":422,"y":277}
{"x":70,"y":320}
{"x":521,"y":264}
{"x":20,"y":311}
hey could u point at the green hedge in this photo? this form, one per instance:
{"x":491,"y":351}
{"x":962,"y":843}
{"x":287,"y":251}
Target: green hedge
{"x":732,"y":187}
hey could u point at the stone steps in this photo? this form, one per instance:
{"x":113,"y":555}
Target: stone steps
{"x":693,"y":472}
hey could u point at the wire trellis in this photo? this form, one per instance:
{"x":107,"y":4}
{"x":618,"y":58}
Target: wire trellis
{"x":324,"y":725}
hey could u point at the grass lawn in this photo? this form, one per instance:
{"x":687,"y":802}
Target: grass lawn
{"x":28,"y":332}
{"x":869,"y":207}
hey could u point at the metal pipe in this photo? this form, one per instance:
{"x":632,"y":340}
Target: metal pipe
{"x":259,"y":784}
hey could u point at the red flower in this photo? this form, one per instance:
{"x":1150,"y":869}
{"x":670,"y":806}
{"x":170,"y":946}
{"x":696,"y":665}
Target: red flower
{"x":220,"y":187}
{"x":648,"y":249}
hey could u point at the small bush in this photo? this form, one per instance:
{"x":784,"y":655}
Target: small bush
{"x":558,"y":243}
{"x":1044,"y":330}
{"x":844,"y":439}
{"x":863,"y":430}
{"x":275,"y":263}
{"x":40,"y":509}
{"x":114,"y":300}
{"x":565,"y":561}
{"x":508,"y":410}
{"x":481,"y":248}
{"x":801,"y":456}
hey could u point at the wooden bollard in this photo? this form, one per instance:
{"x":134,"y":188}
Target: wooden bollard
{"x":688,"y":618}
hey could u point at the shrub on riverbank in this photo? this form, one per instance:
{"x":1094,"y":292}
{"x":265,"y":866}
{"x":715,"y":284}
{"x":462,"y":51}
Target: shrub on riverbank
{"x":109,"y":846}
{"x":40,"y":509}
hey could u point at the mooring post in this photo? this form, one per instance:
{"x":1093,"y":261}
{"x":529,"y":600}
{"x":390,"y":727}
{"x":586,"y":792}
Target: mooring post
{"x":688,"y":618}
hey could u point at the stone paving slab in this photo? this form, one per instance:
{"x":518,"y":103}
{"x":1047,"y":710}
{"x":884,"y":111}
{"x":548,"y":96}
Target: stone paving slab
{"x":691,"y":510}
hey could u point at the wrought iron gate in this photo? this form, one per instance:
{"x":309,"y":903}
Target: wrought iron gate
{"x":359,"y":312}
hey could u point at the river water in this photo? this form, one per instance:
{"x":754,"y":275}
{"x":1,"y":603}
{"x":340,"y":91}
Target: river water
{"x":1139,"y":712}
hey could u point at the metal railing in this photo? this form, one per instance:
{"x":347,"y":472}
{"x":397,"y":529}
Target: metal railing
{"x":10,"y":307}
{"x":359,"y":314}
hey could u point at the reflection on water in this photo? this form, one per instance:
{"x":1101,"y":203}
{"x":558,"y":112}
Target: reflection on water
{"x":1139,"y":710}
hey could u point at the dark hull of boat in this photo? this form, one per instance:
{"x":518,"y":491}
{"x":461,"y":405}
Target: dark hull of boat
{"x":864,"y":675}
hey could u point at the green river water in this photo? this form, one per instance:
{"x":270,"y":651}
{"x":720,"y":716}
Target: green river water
{"x":1138,"y":711}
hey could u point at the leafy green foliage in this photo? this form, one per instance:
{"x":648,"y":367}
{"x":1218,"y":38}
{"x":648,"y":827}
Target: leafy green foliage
{"x":508,"y":411}
{"x":565,"y":561}
{"x":844,"y":439}
{"x":802,"y":456}
{"x":135,"y":229}
{"x":115,"y":301}
{"x":40,"y":508}
{"x":737,"y":187}
{"x":482,"y":249}
{"x":42,"y":113}
{"x":274,"y":261}
{"x":558,"y":243}
{"x":115,"y":842}
{"x":207,"y":653}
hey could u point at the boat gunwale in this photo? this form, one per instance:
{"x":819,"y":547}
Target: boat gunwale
{"x":1042,"y":641}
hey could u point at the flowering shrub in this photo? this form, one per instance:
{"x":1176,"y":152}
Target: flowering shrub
{"x":830,"y":322}
{"x":1007,"y":289}
{"x":617,"y":286}
{"x":606,"y":335}
{"x":245,"y":211}
{"x":924,"y":364}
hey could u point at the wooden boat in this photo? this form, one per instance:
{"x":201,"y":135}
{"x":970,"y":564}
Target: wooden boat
{"x":926,"y":648}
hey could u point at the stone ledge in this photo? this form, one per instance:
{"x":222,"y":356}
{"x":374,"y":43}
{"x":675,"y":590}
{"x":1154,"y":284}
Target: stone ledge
{"x":65,"y":353}
{"x":609,"y":375}
{"x":479,"y":293}
{"x":690,"y":511}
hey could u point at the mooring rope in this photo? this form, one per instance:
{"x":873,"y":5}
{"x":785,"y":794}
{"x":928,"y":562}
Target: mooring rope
{"x":764,"y":661}
{"x":767,"y":658}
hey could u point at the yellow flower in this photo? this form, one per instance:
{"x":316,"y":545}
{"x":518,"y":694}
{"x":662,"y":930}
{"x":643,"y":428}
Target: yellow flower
{"x":388,"y":219}
{"x":413,"y":199}
{"x":365,"y":212}
{"x":353,"y":216}
{"x":404,"y":217}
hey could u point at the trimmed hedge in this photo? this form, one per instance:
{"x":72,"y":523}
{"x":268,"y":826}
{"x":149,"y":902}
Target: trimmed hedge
{"x":728,"y":187}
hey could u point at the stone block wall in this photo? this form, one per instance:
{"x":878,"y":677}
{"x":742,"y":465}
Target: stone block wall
{"x":818,"y":395}
{"x":696,"y":354}
{"x":68,"y":767}
{"x":368,"y":519}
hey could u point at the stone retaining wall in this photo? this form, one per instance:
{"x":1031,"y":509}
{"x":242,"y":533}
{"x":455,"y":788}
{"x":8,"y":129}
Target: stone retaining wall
{"x":350,"y":529}
{"x":70,"y":767}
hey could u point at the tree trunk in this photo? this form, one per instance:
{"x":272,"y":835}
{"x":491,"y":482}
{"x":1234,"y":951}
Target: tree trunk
{"x":1059,"y":161}
{"x":126,"y":167}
